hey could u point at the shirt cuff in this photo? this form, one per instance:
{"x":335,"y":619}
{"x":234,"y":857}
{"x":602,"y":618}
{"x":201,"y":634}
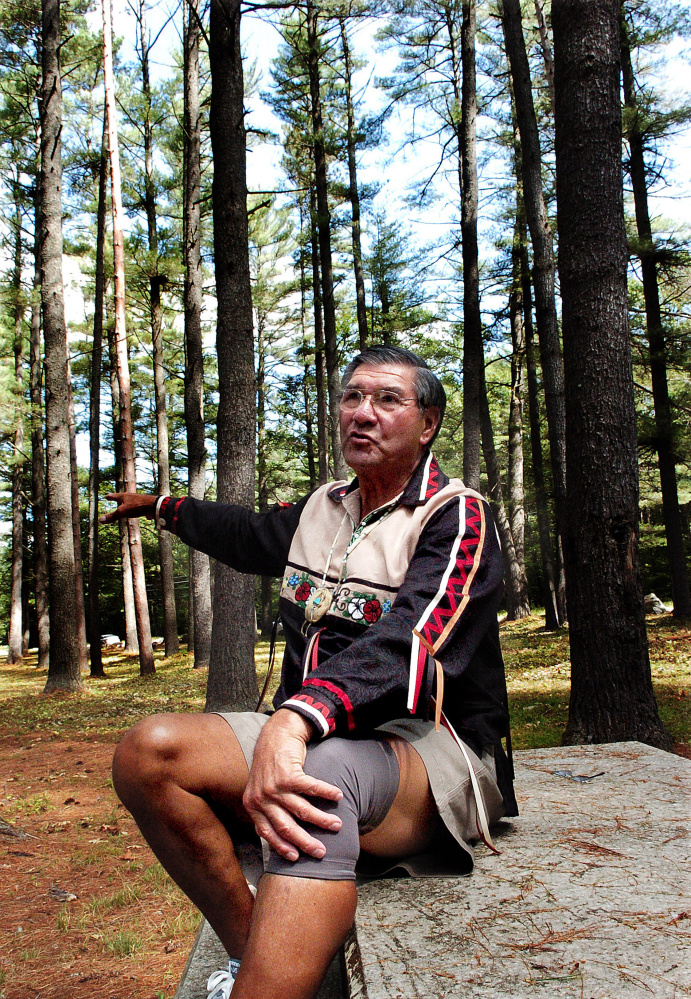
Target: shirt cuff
{"x":314,"y":711}
{"x":166,"y":513}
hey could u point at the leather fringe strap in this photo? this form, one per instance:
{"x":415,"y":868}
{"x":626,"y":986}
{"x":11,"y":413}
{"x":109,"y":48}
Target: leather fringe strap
{"x":441,"y":719}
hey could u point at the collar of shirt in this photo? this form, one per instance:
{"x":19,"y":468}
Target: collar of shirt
{"x":425,"y":482}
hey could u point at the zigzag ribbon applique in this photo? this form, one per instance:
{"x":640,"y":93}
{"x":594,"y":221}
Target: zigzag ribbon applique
{"x":442,"y":613}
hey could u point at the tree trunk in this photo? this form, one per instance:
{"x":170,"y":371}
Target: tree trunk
{"x":543,"y":261}
{"x":324,"y":227}
{"x":664,"y":423}
{"x":95,"y":414}
{"x":156,"y":282}
{"x":15,"y":638}
{"x":76,"y":531}
{"x":309,"y":428}
{"x":38,"y":477}
{"x":518,"y":604}
{"x":611,"y":688}
{"x":63,"y":671}
{"x":473,"y":355}
{"x":146,"y":656}
{"x":319,"y":357}
{"x":131,"y":641}
{"x":232,"y":677}
{"x":546,"y":50}
{"x":520,"y":250}
{"x":200,"y":580}
{"x":549,"y":587}
{"x":266,"y":618}
{"x":353,"y":194}
{"x":516,"y":483}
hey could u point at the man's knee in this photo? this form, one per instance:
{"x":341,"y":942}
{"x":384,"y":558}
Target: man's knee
{"x":367,"y":773}
{"x":146,"y":755}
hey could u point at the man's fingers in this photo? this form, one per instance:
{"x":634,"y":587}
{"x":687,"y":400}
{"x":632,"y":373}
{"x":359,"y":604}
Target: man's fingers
{"x":113,"y":515}
{"x":306,"y":811}
{"x":285,"y":836}
{"x":315,"y":788}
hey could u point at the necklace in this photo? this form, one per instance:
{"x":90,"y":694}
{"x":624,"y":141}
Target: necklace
{"x":321,"y":599}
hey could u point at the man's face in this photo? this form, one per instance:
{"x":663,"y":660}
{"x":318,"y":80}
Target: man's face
{"x":378,"y":441}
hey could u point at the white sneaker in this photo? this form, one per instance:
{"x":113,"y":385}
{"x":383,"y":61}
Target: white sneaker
{"x":221,"y":982}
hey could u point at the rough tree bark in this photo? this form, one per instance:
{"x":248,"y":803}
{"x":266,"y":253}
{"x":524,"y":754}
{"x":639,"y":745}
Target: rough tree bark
{"x":15,"y":638}
{"x":664,"y":422}
{"x":309,"y":425}
{"x":473,"y":354}
{"x":549,"y":587}
{"x":353,"y":193}
{"x":517,"y":602}
{"x":543,"y":261}
{"x":200,"y":590}
{"x":611,"y":688}
{"x":546,"y":50}
{"x":131,"y":641}
{"x":515,"y":474}
{"x":156,"y":282}
{"x":96,"y":658}
{"x":232,"y":677}
{"x":38,"y":475}
{"x":319,"y":354}
{"x":76,"y":530}
{"x":521,"y":261}
{"x":63,"y":671}
{"x":324,"y":228}
{"x":146,"y":656}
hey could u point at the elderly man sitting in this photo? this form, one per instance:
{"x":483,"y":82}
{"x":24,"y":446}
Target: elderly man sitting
{"x":385,"y":748}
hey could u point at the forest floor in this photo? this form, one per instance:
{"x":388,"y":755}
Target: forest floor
{"x":86,"y":909}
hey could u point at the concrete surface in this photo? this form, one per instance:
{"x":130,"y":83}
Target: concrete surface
{"x":590,"y":898}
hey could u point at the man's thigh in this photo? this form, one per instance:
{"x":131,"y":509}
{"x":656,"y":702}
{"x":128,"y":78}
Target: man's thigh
{"x":412,"y":821}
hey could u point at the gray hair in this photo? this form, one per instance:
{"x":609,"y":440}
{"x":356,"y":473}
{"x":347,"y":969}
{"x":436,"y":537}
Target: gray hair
{"x":428,"y":388}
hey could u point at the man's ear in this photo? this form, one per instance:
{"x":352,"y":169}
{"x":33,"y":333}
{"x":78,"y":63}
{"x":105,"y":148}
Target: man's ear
{"x":430,"y":418}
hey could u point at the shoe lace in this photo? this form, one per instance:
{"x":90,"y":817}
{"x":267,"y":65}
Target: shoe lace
{"x":221,"y":980}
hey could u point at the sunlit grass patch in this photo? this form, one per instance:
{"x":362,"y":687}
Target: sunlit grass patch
{"x":180,"y":924}
{"x":122,"y":943}
{"x":538,"y":673}
{"x":537,"y":668}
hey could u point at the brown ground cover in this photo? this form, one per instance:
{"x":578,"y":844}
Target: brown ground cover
{"x":86,"y":909}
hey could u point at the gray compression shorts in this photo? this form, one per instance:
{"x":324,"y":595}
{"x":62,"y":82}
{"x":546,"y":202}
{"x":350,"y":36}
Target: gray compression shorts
{"x":366,"y":770}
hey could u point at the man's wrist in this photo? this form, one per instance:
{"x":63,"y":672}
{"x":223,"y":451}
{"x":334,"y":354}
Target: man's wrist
{"x":295,"y":723}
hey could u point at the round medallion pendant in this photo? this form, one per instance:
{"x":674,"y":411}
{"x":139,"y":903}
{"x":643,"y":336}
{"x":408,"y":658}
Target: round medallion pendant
{"x":318,"y":604}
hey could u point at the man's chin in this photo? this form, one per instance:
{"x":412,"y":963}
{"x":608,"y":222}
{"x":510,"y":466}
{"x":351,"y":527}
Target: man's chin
{"x":360,"y":453}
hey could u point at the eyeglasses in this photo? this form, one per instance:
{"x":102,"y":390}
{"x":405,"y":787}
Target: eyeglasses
{"x":383,"y":400}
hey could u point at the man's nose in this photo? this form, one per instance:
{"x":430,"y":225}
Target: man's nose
{"x":366,"y":410}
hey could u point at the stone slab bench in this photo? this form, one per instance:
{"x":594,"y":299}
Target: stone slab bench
{"x":589,"y":899}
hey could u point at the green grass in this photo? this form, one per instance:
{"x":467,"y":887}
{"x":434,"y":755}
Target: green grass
{"x":538,"y":679}
{"x":537,"y":669}
{"x":122,"y":943}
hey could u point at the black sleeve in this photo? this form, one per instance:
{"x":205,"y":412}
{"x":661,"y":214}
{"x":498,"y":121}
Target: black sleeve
{"x":247,"y":541}
{"x":450,"y":595}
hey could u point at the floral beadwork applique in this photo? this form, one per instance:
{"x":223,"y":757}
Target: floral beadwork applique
{"x":302,"y":585}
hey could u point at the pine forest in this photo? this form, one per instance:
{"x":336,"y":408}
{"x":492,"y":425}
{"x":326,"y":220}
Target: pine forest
{"x":209,"y":207}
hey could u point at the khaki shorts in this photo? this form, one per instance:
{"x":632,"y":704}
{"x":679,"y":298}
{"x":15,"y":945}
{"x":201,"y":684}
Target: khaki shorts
{"x":451,"y":788}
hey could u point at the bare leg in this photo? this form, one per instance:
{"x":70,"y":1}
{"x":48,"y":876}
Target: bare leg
{"x":297,"y":926}
{"x":182,"y":777}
